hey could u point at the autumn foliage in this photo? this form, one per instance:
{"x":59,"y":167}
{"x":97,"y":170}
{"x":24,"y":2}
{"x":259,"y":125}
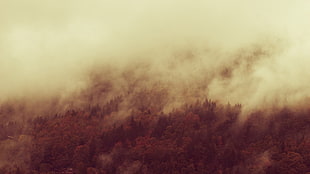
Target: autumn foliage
{"x":204,"y":137}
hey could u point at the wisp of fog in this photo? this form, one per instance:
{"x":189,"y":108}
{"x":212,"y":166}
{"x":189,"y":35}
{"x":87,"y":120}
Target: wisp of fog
{"x":255,"y":53}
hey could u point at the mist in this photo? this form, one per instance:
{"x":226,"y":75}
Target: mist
{"x":141,"y":61}
{"x":252,"y":53}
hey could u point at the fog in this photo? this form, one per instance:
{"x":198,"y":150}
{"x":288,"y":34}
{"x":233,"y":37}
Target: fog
{"x":251,"y":52}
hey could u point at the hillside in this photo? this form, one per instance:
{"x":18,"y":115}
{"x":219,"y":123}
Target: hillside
{"x":200,"y":138}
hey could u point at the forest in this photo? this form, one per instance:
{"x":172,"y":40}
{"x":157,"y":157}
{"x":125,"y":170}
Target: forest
{"x":203,"y":137}
{"x":154,"y":87}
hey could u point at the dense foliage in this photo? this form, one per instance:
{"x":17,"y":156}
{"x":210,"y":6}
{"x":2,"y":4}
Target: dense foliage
{"x":200,"y":138}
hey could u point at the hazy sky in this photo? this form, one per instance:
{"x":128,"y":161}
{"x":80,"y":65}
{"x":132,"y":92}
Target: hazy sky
{"x":48,"y":46}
